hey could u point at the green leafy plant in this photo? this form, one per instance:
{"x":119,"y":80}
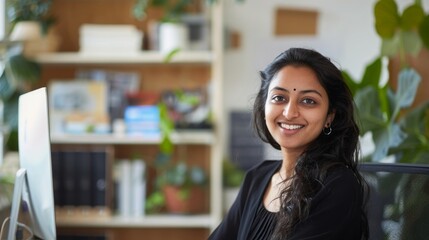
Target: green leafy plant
{"x":30,"y":10}
{"x":17,"y":75}
{"x":172,"y":9}
{"x":402,"y":33}
{"x":232,"y":175}
{"x":397,"y":129}
{"x":169,"y":172}
{"x":382,"y":111}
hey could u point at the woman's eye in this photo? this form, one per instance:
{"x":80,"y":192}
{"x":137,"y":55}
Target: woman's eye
{"x":277,"y":98}
{"x":309,"y":101}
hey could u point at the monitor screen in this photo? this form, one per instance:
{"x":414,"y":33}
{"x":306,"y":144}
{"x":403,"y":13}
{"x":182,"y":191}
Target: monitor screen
{"x":35,"y":160}
{"x":398,"y":200}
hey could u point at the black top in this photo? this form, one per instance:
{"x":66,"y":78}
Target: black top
{"x":335,"y":211}
{"x":264,"y":224}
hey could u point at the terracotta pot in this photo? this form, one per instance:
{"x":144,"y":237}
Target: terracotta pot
{"x":179,"y":201}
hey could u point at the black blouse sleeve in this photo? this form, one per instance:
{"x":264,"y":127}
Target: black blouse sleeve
{"x":236,"y":223}
{"x":228,"y":228}
{"x":335,"y":212}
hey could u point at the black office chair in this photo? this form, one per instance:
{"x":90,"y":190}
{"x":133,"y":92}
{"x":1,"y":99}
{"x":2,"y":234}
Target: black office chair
{"x":398,"y":204}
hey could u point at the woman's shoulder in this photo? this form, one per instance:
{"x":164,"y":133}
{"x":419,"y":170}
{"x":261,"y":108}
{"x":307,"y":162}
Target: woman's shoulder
{"x":341,"y":173}
{"x":342,"y":180}
{"x":264,"y":167}
{"x":262,"y":172}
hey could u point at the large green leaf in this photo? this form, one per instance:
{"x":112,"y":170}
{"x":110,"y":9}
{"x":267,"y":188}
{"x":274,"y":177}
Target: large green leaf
{"x":371,"y":77}
{"x":424,"y":31}
{"x":408,"y":82}
{"x":387,"y":18}
{"x":411,"y":17}
{"x":414,"y":123}
{"x":411,"y":42}
{"x":422,"y":157}
{"x":23,"y":69}
{"x":414,"y":155}
{"x":6,"y":88}
{"x":368,"y":110}
{"x":390,"y":46}
{"x":412,"y":120}
{"x":11,"y":111}
{"x":386,"y":138}
{"x":351,"y":83}
{"x":372,"y":74}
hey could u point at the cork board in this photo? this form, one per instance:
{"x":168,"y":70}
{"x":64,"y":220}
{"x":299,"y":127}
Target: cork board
{"x":295,"y":22}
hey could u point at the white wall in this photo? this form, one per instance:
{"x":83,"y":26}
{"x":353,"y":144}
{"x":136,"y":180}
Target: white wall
{"x":345,"y":33}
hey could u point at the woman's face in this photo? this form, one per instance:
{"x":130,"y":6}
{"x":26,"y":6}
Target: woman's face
{"x":296,"y":109}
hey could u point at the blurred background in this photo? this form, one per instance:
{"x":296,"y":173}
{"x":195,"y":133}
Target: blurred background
{"x":152,"y":99}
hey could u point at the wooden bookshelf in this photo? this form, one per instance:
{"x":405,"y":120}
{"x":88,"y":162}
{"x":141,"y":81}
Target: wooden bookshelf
{"x":188,"y":68}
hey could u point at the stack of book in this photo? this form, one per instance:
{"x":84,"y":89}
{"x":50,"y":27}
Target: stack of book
{"x":143,"y":121}
{"x":82,"y":180}
{"x":109,"y":38}
{"x":131,"y":187}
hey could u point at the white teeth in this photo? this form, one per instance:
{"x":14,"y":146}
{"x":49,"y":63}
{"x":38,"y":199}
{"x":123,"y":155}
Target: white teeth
{"x":291,"y":127}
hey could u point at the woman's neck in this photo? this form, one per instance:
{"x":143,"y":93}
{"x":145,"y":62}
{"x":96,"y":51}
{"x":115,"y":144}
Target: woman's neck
{"x":288,"y":163}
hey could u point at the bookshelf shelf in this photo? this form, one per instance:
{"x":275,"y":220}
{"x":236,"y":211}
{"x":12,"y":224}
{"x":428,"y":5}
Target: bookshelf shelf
{"x":152,"y":221}
{"x":142,"y":57}
{"x":181,"y":137}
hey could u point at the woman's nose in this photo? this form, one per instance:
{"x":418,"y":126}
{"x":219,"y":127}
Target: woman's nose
{"x":291,"y":111}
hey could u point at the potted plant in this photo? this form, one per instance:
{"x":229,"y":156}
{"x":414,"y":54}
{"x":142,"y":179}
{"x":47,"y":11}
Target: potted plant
{"x":182,"y":186}
{"x":178,"y":186}
{"x":173,"y":10}
{"x":383,"y":110}
{"x":178,"y":25}
{"x":405,"y":40}
{"x":31,"y":22}
{"x":399,"y":128}
{"x":232,"y":179}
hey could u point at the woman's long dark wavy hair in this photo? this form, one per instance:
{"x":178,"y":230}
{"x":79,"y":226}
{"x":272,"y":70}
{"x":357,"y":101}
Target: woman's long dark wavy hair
{"x":341,"y":147}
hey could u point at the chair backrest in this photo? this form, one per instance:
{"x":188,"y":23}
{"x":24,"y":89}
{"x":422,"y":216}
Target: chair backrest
{"x":398,"y":204}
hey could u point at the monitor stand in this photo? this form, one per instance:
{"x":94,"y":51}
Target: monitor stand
{"x":20,"y":184}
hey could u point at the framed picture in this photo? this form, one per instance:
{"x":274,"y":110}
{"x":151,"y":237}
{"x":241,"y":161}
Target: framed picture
{"x":78,"y":106}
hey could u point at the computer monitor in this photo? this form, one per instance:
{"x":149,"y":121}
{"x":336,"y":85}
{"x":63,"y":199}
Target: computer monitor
{"x":33,"y":185}
{"x":398,"y":200}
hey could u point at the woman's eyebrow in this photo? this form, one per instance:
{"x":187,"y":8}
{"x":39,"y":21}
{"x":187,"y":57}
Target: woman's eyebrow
{"x":302,"y":91}
{"x":279,"y":89}
{"x":311,"y":91}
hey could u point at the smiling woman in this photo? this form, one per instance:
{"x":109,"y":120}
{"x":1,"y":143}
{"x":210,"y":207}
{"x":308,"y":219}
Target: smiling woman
{"x":305,"y":109}
{"x":296,"y":118}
